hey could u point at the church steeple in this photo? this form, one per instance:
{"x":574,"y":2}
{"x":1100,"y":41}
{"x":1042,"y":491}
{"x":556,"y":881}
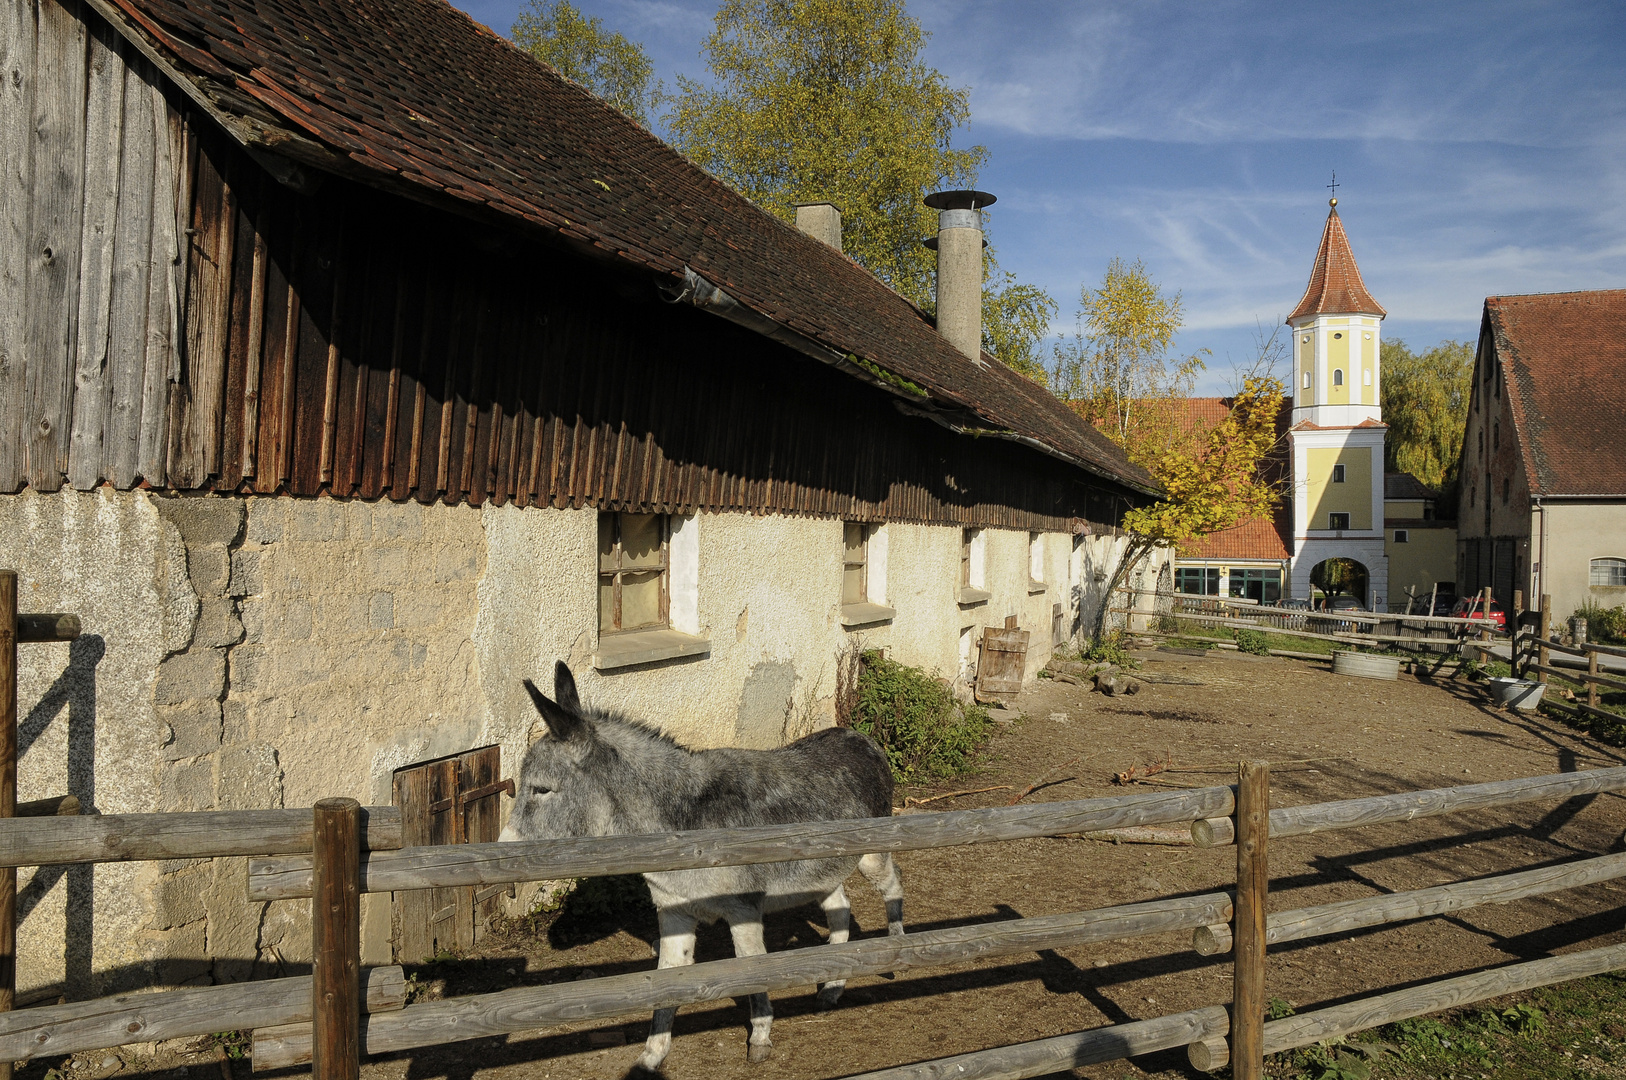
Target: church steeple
{"x":1336,"y":338}
{"x":1335,"y":285}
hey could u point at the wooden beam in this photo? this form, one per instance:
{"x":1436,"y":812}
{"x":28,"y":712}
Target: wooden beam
{"x":56,"y":1030}
{"x":8,"y":796}
{"x":47,"y":627}
{"x":203,"y":834}
{"x":531,"y":1007}
{"x":538,"y":860}
{"x":336,"y":942}
{"x":55,"y":806}
{"x":1371,"y":1012}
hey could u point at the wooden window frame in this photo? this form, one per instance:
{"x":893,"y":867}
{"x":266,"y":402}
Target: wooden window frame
{"x":618,"y":571}
{"x":967,"y":535}
{"x":864,"y":534}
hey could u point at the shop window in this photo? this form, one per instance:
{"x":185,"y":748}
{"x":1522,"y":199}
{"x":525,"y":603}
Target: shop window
{"x":1261,"y":586}
{"x":1197,"y":580}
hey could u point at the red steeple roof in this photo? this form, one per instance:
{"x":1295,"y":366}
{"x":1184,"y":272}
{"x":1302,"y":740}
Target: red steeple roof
{"x":1335,"y":286}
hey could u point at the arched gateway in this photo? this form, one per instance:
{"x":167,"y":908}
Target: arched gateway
{"x":1337,"y":432}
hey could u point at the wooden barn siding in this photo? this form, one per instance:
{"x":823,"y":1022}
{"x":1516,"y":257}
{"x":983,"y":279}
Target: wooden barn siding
{"x":89,"y":272}
{"x":353,"y":343}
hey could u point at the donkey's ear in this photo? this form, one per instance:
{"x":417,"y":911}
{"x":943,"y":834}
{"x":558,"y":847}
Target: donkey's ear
{"x":563,"y":724}
{"x":564,"y":688}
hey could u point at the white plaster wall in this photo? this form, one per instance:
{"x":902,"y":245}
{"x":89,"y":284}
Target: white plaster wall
{"x":1577,"y":533}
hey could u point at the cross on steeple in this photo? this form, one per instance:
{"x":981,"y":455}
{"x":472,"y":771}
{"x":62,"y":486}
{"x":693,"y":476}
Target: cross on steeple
{"x":1334,"y":187}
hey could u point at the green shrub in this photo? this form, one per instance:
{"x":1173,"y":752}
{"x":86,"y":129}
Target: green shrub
{"x":925,"y":732}
{"x":1109,"y":650}
{"x":1252,"y":641}
{"x":1604,"y":624}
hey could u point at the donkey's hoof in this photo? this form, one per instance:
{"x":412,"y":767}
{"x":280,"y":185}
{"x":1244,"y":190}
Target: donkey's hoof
{"x":758,"y":1052}
{"x":829,"y":995}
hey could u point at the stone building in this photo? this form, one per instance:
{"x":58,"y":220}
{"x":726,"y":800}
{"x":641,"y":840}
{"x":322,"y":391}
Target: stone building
{"x":354,"y":365}
{"x":1543,"y":506}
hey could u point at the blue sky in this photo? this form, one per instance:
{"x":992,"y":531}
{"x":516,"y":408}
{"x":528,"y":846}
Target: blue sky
{"x":1480,"y":148}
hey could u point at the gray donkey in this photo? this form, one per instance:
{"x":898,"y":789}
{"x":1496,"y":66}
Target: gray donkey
{"x":596,"y":774}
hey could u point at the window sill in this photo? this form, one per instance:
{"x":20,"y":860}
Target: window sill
{"x":968,"y":597}
{"x":865,"y":614}
{"x":646,"y":647}
{"x":1037,"y":587}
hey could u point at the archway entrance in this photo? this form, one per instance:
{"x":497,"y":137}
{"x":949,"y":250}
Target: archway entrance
{"x":1336,"y":577}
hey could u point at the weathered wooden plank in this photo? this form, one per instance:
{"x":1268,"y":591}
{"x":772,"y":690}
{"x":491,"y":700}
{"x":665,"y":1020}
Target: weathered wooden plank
{"x":51,"y":304}
{"x":1382,"y":809}
{"x":1063,"y":1053}
{"x":1347,"y":915}
{"x":201,"y":835}
{"x":19,"y":27}
{"x":175,"y":1014}
{"x":1248,"y":929}
{"x":104,"y":124}
{"x":255,"y":349}
{"x":240,"y":333}
{"x":336,"y":942}
{"x":538,"y":860}
{"x":132,"y":268}
{"x":170,"y":207}
{"x":532,"y":1007}
{"x":1371,"y":1012}
{"x":195,"y":448}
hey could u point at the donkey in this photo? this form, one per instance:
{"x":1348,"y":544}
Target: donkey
{"x":597,"y":774}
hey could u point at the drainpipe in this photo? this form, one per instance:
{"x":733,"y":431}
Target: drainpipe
{"x":959,"y":245}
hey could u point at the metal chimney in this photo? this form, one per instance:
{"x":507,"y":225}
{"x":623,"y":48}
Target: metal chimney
{"x":959,"y":245}
{"x":821,"y":221}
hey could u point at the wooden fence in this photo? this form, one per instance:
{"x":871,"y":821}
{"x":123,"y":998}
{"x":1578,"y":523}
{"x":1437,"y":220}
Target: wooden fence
{"x":339,"y":850}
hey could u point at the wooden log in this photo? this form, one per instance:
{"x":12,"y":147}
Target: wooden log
{"x":1245,"y":624}
{"x":1209,"y":1055}
{"x":1266,"y":612}
{"x":1215,"y":940}
{"x":531,"y":1007}
{"x":8,"y":796}
{"x":1382,"y":809}
{"x":1346,"y":915}
{"x":47,"y":627}
{"x":336,"y":941}
{"x":1252,"y":891}
{"x":1213,"y":832}
{"x":1371,"y":1012}
{"x":203,"y":834}
{"x":540,"y":860}
{"x":1589,"y":678}
{"x":1064,"y":1053}
{"x":55,"y":1030}
{"x":55,"y":806}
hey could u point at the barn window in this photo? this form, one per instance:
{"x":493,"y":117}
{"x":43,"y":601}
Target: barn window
{"x":1338,"y":521}
{"x":1036,"y":559}
{"x":854,"y":559}
{"x":973,"y":553}
{"x":1608,"y":573}
{"x":1338,"y":474}
{"x":633,"y":564}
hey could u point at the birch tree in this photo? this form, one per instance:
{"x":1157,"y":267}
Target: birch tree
{"x":604,"y":62}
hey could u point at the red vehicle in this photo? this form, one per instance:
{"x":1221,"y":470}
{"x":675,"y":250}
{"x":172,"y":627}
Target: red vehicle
{"x":1473,"y":607}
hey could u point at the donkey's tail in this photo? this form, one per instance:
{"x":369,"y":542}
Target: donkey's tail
{"x":882,"y":873}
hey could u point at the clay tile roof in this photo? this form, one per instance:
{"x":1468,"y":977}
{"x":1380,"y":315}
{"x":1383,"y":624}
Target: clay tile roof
{"x":1564,"y":357}
{"x":414,"y":97}
{"x":1253,"y":538}
{"x":1335,"y":285}
{"x":1403,"y":485}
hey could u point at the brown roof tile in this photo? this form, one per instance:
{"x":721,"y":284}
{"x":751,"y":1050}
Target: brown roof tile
{"x":1257,"y":537}
{"x":1335,"y":285}
{"x":1564,"y":357}
{"x":415,"y":96}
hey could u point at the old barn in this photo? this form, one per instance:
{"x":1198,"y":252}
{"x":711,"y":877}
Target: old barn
{"x":354,"y":365}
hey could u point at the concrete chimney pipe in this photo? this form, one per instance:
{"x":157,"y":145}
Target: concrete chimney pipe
{"x":821,"y":221}
{"x":959,"y":245}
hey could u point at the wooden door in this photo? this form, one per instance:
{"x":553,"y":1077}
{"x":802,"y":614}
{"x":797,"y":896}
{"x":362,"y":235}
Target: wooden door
{"x":1003,"y":662}
{"x":452,"y":800}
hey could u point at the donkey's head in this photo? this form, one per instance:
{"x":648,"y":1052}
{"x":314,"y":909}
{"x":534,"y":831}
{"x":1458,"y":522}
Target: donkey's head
{"x":563,"y":787}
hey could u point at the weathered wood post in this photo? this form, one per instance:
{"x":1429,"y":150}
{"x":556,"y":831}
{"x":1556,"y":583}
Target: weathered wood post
{"x":8,"y":791}
{"x":1543,"y":629}
{"x":336,"y":941}
{"x":1592,"y":669}
{"x":1252,"y":887}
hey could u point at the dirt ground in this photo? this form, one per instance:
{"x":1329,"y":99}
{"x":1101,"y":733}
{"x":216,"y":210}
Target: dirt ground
{"x":1327,"y":736}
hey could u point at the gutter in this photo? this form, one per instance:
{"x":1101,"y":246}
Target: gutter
{"x":696,"y":291}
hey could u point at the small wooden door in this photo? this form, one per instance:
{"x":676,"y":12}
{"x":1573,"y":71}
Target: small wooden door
{"x":1003,"y":662}
{"x":452,"y":800}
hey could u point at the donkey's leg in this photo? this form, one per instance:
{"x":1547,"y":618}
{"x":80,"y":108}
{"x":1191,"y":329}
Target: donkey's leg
{"x":677,"y":950}
{"x":882,"y":873}
{"x":838,"y":916}
{"x":746,"y":927}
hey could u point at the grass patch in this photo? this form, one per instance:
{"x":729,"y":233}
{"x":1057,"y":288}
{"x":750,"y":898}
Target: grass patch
{"x":915,"y":719}
{"x":1572,"y":1031}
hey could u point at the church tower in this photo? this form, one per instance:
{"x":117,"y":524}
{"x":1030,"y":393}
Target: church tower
{"x":1337,"y":433}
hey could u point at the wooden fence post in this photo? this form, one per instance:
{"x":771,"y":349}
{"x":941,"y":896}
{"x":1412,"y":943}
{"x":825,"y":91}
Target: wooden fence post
{"x":1543,"y":629}
{"x":8,"y":791}
{"x":336,"y":941}
{"x":1252,"y":887}
{"x":1592,"y":669}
